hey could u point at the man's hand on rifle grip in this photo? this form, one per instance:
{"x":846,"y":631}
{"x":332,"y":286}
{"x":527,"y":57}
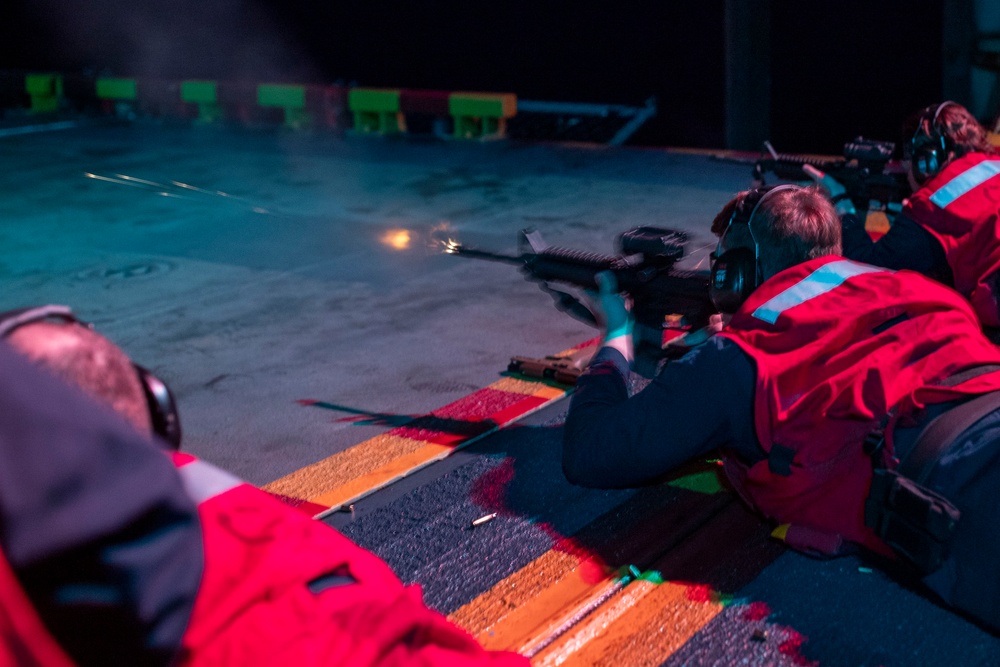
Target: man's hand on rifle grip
{"x":613,"y":315}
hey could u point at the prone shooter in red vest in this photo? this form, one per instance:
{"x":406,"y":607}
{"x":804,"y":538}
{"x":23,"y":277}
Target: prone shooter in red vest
{"x":949,"y":228}
{"x":854,"y":406}
{"x":119,"y":549}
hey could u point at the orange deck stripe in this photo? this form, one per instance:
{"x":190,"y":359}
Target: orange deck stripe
{"x":337,"y":470}
{"x":524,"y":627}
{"x":643,"y":625}
{"x":572,"y":587}
{"x":569,"y":607}
{"x":876,"y":223}
{"x":397,"y":468}
{"x":527,"y":606}
{"x":563,"y":591}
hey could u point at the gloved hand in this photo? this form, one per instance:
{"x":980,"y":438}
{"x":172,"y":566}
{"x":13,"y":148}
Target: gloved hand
{"x":613,"y":315}
{"x":836,"y":190}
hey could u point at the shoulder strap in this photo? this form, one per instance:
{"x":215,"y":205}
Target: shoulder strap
{"x":969,"y":373}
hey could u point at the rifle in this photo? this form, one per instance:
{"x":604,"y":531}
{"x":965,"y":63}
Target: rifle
{"x":663,"y":297}
{"x":867,"y":171}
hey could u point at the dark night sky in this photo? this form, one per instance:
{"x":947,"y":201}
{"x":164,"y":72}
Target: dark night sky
{"x":839,"y":68}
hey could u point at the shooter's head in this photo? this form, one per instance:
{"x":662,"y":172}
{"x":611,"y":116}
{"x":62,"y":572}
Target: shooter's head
{"x":53,"y":338}
{"x":765,"y":231}
{"x":940,"y":133}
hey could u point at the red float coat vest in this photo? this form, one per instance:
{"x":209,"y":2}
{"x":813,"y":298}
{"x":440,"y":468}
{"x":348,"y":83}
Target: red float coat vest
{"x":960,"y":207}
{"x":24,"y":639}
{"x":836,"y":345}
{"x":256,"y":607}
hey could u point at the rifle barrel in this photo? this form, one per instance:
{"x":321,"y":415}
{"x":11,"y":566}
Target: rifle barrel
{"x":456,"y":248}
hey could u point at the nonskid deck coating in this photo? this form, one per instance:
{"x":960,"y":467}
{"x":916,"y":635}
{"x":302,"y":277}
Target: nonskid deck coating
{"x":269,"y":276}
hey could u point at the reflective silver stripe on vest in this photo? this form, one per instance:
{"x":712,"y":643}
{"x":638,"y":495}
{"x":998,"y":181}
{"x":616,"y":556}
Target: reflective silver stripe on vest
{"x":203,"y":480}
{"x":820,"y":281}
{"x":967,"y":180}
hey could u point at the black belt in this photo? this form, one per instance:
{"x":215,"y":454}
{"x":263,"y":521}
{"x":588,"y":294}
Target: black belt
{"x":916,"y":522}
{"x":942,"y":431}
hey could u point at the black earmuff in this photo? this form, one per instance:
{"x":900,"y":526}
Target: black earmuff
{"x":160,"y":401}
{"x":930,"y":146}
{"x":736,"y":271}
{"x":734,"y":277}
{"x":162,"y":406}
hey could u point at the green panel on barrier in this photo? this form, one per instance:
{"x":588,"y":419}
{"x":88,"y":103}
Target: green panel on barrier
{"x":45,"y":90}
{"x":199,"y":92}
{"x":44,"y":85}
{"x":501,"y":105}
{"x":377,"y":100}
{"x":281,"y":95}
{"x":116,"y":89}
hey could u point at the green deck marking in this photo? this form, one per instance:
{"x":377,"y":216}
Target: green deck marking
{"x":706,"y":482}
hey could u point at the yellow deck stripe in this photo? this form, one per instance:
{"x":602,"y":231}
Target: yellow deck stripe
{"x":643,"y":625}
{"x":337,"y":470}
{"x":534,"y":600}
{"x":374,"y":463}
{"x":568,"y":607}
{"x":522,"y":611}
{"x":397,"y":468}
{"x":526,"y":607}
{"x":525,"y":611}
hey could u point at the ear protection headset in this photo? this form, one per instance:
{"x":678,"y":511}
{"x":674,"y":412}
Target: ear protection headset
{"x":736,"y":271}
{"x":930,"y":146}
{"x":159,"y":399}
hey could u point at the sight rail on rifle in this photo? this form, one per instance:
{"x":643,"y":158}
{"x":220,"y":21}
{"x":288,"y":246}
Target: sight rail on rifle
{"x":869,"y":171}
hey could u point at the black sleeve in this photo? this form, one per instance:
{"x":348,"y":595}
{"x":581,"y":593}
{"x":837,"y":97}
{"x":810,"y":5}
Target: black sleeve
{"x":94,"y":521}
{"x":697,"y":404}
{"x":906,"y":245}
